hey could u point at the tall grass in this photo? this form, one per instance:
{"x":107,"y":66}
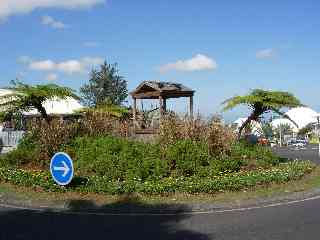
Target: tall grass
{"x":219,"y":138}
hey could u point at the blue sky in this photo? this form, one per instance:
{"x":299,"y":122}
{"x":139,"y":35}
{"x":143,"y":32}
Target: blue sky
{"x":218,"y":48}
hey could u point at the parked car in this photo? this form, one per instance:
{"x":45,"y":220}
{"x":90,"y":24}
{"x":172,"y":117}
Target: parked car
{"x":302,"y":141}
{"x":299,"y":144}
{"x":272,"y":143}
{"x":291,"y":142}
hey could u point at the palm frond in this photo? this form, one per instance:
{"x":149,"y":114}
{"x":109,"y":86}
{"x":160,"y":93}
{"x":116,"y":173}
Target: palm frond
{"x":24,"y":97}
{"x":266,"y":99}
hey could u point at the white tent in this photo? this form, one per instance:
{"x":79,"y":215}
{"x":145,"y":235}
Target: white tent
{"x":59,"y":107}
{"x":54,"y":106}
{"x":302,"y":116}
{"x":256,"y":126}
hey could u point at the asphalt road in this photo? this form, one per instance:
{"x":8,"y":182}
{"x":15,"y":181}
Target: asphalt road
{"x":310,"y":152}
{"x":300,"y":220}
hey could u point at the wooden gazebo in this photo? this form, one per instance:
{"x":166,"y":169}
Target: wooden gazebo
{"x":161,"y":91}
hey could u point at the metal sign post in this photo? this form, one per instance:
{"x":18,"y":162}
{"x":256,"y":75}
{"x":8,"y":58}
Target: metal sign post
{"x":318,"y":131}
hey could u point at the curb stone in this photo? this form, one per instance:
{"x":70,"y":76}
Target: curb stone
{"x":10,"y":200}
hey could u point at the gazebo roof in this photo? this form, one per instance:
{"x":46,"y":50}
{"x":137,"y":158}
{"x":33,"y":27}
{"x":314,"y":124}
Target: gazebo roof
{"x":155,"y":89}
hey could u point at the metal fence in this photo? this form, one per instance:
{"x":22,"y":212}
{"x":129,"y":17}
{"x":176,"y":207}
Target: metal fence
{"x":10,"y":139}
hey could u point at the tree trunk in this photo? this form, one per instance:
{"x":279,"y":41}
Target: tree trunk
{"x":248,"y":121}
{"x":43,"y":113}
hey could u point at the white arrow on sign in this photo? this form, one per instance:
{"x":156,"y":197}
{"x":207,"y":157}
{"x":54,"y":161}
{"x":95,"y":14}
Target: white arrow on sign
{"x":65,"y":169}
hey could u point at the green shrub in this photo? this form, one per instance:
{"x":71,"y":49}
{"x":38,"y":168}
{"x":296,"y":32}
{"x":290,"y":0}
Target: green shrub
{"x":26,"y":152}
{"x":100,"y":184}
{"x":254,"y":155}
{"x":117,"y":159}
{"x":230,"y":164}
{"x":187,"y":156}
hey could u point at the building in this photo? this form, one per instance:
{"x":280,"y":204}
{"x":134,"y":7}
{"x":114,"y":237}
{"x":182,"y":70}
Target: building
{"x":10,"y":134}
{"x":302,"y":116}
{"x":255,"y":127}
{"x":56,"y":107}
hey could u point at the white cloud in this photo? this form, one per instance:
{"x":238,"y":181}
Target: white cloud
{"x":13,"y":7}
{"x":197,"y":63}
{"x":51,"y":77}
{"x":72,"y":66}
{"x":50,"y":21}
{"x":91,"y":44}
{"x":46,"y":65}
{"x":266,"y":53}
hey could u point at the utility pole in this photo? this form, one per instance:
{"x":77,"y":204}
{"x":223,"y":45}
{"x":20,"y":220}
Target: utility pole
{"x":280,"y":134}
{"x":318,"y":132}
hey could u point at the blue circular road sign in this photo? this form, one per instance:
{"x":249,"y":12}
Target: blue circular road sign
{"x":61,"y":168}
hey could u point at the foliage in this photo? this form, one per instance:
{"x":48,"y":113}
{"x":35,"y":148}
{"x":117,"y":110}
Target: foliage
{"x":105,"y":86}
{"x":51,"y":137}
{"x":218,"y":137}
{"x":306,"y":130}
{"x":314,"y":140}
{"x":25,"y":97}
{"x":262,"y":101}
{"x":195,"y":147}
{"x":267,"y":130}
{"x":109,"y":110}
{"x":187,"y":157}
{"x":186,"y":148}
{"x":117,"y":158}
{"x":282,"y":129}
{"x":253,"y":156}
{"x":100,"y":184}
{"x":26,"y":153}
{"x":99,"y":123}
{"x":121,"y":159}
{"x":173,"y":128}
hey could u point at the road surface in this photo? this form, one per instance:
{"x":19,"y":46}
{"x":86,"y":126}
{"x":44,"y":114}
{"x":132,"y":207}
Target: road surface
{"x":300,"y":220}
{"x":310,"y":152}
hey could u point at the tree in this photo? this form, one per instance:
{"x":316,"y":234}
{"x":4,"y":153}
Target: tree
{"x":281,"y":130}
{"x":105,"y":85}
{"x":24,"y":97}
{"x":267,"y":130}
{"x":115,"y":111}
{"x":262,"y":101}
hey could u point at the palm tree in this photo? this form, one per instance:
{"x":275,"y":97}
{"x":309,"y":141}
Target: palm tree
{"x":262,"y":101}
{"x":24,"y":97}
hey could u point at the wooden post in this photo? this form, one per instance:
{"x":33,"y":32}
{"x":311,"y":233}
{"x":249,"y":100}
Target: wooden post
{"x":165,"y":105}
{"x":134,"y":110}
{"x":161,"y":106}
{"x":191,"y":106}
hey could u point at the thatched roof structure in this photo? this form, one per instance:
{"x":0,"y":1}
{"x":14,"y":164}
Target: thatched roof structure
{"x":156,"y":89}
{"x":162,"y":91}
